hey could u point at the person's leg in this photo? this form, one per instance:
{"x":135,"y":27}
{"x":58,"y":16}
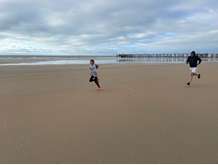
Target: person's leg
{"x":97,"y":82}
{"x":191,"y":78}
{"x":199,"y":75}
{"x":91,"y":79}
{"x":196,"y":73}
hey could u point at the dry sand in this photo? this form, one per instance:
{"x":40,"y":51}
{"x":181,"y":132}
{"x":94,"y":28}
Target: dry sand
{"x":146,"y":114}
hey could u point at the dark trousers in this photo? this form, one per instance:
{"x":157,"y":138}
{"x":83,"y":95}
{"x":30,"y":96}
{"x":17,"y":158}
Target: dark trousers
{"x":95,"y":79}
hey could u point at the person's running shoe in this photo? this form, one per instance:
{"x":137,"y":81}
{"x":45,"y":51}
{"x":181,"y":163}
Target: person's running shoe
{"x":199,"y":76}
{"x":188,"y":83}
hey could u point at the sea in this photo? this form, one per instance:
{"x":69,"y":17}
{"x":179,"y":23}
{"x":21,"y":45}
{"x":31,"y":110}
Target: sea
{"x":84,"y":60}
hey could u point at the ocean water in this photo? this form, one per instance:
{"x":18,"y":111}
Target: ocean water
{"x":34,"y":60}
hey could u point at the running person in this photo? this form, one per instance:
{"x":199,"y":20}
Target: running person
{"x":193,"y":60}
{"x":93,"y":72}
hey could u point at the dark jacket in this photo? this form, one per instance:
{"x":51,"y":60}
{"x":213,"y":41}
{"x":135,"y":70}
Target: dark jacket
{"x":193,"y":61}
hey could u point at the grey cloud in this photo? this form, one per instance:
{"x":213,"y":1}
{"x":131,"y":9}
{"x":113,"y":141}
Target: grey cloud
{"x":92,"y":26}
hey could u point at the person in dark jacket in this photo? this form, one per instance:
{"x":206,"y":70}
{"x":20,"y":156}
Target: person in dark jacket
{"x":193,"y":61}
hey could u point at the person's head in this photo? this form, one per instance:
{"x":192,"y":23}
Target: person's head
{"x":92,"y":61}
{"x":193,"y":53}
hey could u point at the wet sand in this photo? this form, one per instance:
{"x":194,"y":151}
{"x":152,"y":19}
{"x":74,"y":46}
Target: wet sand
{"x":146,"y":114}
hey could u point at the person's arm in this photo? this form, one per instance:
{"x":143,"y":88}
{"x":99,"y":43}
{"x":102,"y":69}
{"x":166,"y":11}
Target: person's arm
{"x":199,"y":60}
{"x":187,"y":61}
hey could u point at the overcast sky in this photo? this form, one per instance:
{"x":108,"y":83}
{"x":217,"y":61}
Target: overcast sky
{"x":77,"y":27}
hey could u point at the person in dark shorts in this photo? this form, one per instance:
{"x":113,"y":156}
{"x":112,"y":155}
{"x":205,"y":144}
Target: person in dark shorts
{"x":193,"y":60}
{"x":93,"y":72}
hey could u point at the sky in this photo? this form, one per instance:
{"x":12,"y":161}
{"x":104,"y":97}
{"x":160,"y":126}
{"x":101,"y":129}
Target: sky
{"x":107,"y":27}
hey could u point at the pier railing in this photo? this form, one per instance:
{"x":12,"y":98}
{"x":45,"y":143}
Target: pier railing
{"x":202,"y":55}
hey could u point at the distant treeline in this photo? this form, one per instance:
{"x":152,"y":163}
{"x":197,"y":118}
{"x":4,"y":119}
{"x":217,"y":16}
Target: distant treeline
{"x":202,"y":55}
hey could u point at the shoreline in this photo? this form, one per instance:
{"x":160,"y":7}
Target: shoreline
{"x":38,"y":64}
{"x":100,"y":60}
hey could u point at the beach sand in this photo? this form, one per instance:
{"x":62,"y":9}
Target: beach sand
{"x":146,"y":114}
